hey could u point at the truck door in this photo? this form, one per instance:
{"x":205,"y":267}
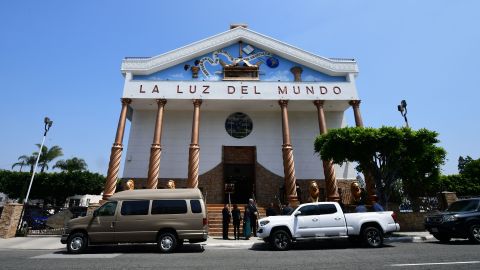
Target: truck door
{"x":306,"y":221}
{"x":101,"y":228}
{"x":331,"y":220}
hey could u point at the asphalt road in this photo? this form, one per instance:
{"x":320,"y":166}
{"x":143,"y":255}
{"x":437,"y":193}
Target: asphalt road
{"x":320,"y":255}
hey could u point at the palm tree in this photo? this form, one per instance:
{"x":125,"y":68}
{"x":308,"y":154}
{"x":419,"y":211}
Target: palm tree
{"x":48,"y":155}
{"x":26,"y":161}
{"x":71,"y":165}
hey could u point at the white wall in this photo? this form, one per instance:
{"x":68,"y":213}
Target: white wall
{"x":266,"y":136}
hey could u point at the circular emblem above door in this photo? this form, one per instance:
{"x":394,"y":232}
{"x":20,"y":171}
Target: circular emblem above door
{"x":238,"y":125}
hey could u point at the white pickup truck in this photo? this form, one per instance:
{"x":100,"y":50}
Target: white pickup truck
{"x":322,"y":220}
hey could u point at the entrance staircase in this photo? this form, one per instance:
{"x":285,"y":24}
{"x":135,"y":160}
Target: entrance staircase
{"x":215,"y":219}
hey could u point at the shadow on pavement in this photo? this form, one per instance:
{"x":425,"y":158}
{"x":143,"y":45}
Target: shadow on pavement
{"x":136,"y":248}
{"x":454,"y":242}
{"x":317,"y":245}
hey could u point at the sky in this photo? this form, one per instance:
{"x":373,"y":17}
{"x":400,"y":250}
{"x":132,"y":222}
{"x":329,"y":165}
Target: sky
{"x":62,"y":59}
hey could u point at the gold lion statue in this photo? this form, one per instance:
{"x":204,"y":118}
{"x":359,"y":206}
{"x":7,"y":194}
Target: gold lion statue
{"x":356,"y":192}
{"x":171,"y":184}
{"x":313,"y":191}
{"x":130,"y":184}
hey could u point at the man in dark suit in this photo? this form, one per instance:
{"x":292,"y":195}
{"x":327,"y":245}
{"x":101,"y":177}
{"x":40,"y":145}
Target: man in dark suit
{"x":225,"y":221}
{"x":253,"y":216}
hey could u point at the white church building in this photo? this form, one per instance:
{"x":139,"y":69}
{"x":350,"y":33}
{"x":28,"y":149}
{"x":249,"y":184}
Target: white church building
{"x":236,"y":112}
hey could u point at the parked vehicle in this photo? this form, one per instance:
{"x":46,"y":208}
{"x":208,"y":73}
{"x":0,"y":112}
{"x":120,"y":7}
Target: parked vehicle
{"x":324,"y":220}
{"x":460,"y":220}
{"x":167,"y":217}
{"x":36,"y":217}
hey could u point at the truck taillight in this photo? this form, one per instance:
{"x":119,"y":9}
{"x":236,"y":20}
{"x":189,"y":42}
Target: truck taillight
{"x":394,"y":216}
{"x":205,"y":221}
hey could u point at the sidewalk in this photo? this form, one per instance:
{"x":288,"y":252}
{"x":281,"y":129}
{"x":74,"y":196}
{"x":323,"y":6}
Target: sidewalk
{"x":53,"y":242}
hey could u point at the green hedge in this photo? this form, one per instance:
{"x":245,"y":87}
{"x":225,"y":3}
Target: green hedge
{"x":54,"y":187}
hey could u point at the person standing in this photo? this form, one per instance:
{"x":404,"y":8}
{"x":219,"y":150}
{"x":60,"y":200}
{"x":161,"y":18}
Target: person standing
{"x":236,"y":217}
{"x":225,"y":221}
{"x":271,"y":210}
{"x":253,"y":216}
{"x":247,"y":230}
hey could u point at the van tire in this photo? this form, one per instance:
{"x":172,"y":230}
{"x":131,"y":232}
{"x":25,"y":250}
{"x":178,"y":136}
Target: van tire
{"x":77,"y":243}
{"x":167,"y":242}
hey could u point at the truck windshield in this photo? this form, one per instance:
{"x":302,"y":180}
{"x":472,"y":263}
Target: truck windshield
{"x":463,"y":206}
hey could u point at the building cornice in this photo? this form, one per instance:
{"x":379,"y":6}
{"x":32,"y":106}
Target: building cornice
{"x":330,"y":66}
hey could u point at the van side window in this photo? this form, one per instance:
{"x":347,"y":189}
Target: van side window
{"x":107,"y":209}
{"x":196,"y":206}
{"x":169,"y":207}
{"x":135,"y":208}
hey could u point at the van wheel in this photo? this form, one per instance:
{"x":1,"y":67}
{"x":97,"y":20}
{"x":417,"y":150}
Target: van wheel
{"x":372,"y":237}
{"x":280,"y":240}
{"x":77,"y":243}
{"x":167,"y":242}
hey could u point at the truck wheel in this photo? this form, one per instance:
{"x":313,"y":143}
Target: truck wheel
{"x":77,"y":243}
{"x":280,"y":240}
{"x":166,"y":242}
{"x":372,"y":237}
{"x":474,"y":233}
{"x":444,"y":238}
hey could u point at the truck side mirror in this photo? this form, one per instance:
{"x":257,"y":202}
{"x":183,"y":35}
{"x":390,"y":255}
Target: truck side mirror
{"x":298,"y":213}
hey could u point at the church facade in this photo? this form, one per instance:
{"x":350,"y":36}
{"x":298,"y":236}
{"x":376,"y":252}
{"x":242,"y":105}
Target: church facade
{"x":234,"y":113}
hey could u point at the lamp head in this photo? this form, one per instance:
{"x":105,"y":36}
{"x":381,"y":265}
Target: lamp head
{"x":404,"y":103}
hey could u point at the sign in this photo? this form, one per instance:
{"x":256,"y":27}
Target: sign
{"x":241,"y":90}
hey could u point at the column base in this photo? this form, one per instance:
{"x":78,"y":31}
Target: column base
{"x":293,"y":200}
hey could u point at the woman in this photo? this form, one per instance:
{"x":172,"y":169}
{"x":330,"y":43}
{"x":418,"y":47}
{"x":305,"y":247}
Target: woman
{"x":247,"y":231}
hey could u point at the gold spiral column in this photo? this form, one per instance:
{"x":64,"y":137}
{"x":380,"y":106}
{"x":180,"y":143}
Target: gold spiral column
{"x":156,"y":149}
{"x":288,"y":164}
{"x":369,"y":181}
{"x":116,"y":153}
{"x":194,"y":149}
{"x":328,"y":169}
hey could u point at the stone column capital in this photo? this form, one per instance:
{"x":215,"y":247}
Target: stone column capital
{"x":161,"y":102}
{"x":197,"y":102}
{"x":319,"y":103}
{"x":126,"y":101}
{"x":283,"y":103}
{"x":355,"y":103}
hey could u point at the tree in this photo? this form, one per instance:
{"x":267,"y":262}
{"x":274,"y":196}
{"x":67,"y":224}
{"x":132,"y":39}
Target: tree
{"x":389,"y":154}
{"x":467,"y":182}
{"x":48,"y":155}
{"x":71,"y":165}
{"x":25,"y":160}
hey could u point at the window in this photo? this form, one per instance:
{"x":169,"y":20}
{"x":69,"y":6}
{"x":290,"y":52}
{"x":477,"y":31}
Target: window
{"x":107,"y":209}
{"x":309,"y":210}
{"x":238,"y":125}
{"x":326,"y":209}
{"x":196,"y":206}
{"x":169,"y":207}
{"x":130,"y":208}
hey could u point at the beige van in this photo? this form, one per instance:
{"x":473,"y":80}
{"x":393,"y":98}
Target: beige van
{"x":167,"y":217}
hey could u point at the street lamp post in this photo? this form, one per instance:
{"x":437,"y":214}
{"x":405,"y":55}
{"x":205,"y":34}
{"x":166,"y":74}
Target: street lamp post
{"x":48,"y":124}
{"x":402,"y":108}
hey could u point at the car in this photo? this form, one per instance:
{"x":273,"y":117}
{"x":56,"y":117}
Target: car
{"x":167,"y":217}
{"x":460,"y":220}
{"x":326,"y":220}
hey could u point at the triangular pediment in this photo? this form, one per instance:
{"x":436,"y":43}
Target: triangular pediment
{"x":191,"y":55}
